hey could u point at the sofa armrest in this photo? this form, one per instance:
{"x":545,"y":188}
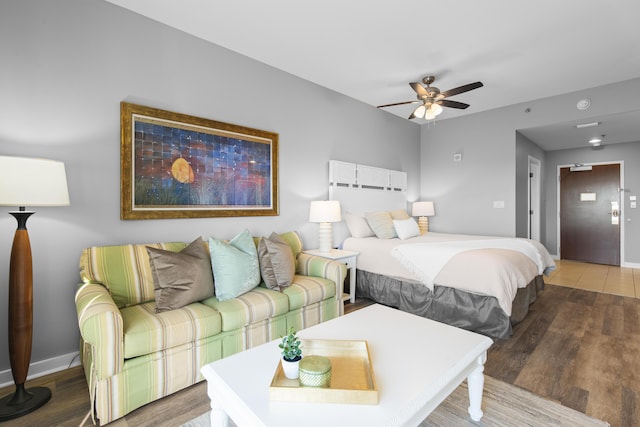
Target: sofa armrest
{"x":100,"y":324}
{"x":312,"y":265}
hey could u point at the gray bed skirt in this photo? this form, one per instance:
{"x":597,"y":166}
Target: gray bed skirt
{"x":477,"y":313}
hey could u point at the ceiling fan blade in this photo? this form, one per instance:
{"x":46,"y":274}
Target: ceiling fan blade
{"x":420,"y":90}
{"x":461,"y":89}
{"x":453,"y":104}
{"x":397,"y":103}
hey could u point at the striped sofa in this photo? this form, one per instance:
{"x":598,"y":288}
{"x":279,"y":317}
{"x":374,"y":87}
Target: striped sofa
{"x":133,"y":355}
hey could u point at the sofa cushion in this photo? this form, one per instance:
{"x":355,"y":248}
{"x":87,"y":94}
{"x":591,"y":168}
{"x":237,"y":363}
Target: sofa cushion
{"x":181,"y":278}
{"x":146,"y":331}
{"x":124,"y":270}
{"x":277,"y":265}
{"x":306,"y":290}
{"x":235,"y":265}
{"x":256,"y":305}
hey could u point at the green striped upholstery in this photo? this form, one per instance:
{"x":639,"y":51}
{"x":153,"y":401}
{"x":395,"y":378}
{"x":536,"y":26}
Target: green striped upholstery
{"x":101,"y":326}
{"x":133,"y":356}
{"x":153,"y":376}
{"x":306,"y":290}
{"x":146,"y":331}
{"x":124,"y":270}
{"x":310,"y":265}
{"x":256,"y":305}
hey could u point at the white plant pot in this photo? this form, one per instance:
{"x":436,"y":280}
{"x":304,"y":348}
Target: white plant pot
{"x":291,"y":369}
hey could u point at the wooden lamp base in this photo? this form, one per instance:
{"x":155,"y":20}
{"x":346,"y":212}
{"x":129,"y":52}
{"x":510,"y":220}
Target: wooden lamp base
{"x":23,"y":401}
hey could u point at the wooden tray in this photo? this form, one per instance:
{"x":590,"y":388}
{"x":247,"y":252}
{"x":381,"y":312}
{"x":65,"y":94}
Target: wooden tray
{"x":352,"y":379}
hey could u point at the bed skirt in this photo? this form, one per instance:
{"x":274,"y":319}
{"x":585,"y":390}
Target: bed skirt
{"x":477,"y":313}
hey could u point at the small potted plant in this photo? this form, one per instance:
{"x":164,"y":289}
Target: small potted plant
{"x":291,"y":354}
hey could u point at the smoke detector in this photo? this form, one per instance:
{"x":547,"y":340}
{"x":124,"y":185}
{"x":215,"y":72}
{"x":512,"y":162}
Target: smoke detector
{"x":583,"y":104}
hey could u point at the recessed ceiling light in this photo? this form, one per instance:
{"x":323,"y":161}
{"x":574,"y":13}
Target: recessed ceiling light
{"x":587,"y":125}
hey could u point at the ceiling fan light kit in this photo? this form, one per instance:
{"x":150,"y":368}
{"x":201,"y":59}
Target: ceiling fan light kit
{"x":432,"y":99}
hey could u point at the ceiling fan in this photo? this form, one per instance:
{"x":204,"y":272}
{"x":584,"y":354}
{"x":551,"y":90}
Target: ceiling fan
{"x":432,"y":100}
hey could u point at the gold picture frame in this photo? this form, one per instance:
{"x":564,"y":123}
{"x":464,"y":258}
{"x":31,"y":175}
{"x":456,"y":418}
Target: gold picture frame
{"x":179,"y":166}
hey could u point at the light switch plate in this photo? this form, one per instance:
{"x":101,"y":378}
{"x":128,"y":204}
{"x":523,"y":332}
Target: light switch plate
{"x":498,"y":204}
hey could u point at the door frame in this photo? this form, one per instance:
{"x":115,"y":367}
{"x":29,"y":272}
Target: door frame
{"x":534,"y":189}
{"x":620,"y":201}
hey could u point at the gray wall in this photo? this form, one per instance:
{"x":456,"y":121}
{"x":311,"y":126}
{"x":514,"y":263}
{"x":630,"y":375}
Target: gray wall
{"x":66,"y":65}
{"x":629,"y":154}
{"x":464,"y":192}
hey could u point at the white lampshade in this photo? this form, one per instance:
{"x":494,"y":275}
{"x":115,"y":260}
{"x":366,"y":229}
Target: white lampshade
{"x":32,"y":182}
{"x":437,"y":109}
{"x":325,"y":211}
{"x":423,"y":209}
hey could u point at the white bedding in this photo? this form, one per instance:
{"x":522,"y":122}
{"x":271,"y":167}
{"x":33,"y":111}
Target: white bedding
{"x":478,"y":264}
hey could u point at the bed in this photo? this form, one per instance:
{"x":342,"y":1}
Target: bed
{"x":480,"y":283}
{"x":482,"y":289}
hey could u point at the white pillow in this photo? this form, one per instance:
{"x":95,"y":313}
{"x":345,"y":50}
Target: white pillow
{"x":357,"y":225}
{"x":406,"y":228}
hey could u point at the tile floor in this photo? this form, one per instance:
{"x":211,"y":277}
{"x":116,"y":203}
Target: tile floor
{"x":595,"y":277}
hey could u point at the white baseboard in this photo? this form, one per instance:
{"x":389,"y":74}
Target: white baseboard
{"x":44,"y":367}
{"x":631,"y":264}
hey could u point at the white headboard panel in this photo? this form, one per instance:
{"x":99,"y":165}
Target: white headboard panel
{"x":361,"y":189}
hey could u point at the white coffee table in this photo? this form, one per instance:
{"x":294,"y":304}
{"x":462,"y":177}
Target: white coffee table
{"x":417,"y":363}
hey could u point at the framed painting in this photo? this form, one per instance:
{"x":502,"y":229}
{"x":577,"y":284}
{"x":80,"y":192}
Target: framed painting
{"x":179,"y":166}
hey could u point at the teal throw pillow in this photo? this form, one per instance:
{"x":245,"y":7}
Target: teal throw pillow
{"x":235,"y":265}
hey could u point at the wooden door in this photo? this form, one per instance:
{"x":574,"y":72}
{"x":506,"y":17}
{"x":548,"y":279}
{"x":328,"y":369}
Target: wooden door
{"x":589,"y":218}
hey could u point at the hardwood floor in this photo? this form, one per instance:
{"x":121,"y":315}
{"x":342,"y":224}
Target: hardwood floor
{"x":578,"y":347}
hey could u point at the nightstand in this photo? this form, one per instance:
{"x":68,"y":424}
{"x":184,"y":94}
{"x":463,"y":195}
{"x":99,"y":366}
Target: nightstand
{"x":349,"y":258}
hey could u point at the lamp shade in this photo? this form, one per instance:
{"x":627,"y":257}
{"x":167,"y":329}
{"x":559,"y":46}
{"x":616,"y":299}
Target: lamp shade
{"x":423,"y":209}
{"x":325,"y":211}
{"x":32,"y":182}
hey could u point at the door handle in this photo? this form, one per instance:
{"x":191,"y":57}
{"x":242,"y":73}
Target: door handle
{"x":615,"y":213}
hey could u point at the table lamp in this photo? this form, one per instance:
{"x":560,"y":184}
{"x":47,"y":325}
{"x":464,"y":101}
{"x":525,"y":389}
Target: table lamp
{"x":325,"y":212}
{"x":25,"y":182}
{"x":423,"y":210}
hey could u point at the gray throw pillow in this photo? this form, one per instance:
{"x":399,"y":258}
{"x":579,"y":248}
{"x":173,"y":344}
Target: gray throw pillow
{"x":277,"y":265}
{"x":181,"y":278}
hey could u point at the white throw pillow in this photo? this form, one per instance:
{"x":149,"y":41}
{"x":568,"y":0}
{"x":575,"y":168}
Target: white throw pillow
{"x":406,"y":228}
{"x":357,"y":225}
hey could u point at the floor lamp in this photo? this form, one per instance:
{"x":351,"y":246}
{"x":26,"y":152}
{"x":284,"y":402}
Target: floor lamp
{"x":25,"y":182}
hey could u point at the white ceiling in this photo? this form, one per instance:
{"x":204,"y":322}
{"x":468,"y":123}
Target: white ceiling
{"x":370,"y":50}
